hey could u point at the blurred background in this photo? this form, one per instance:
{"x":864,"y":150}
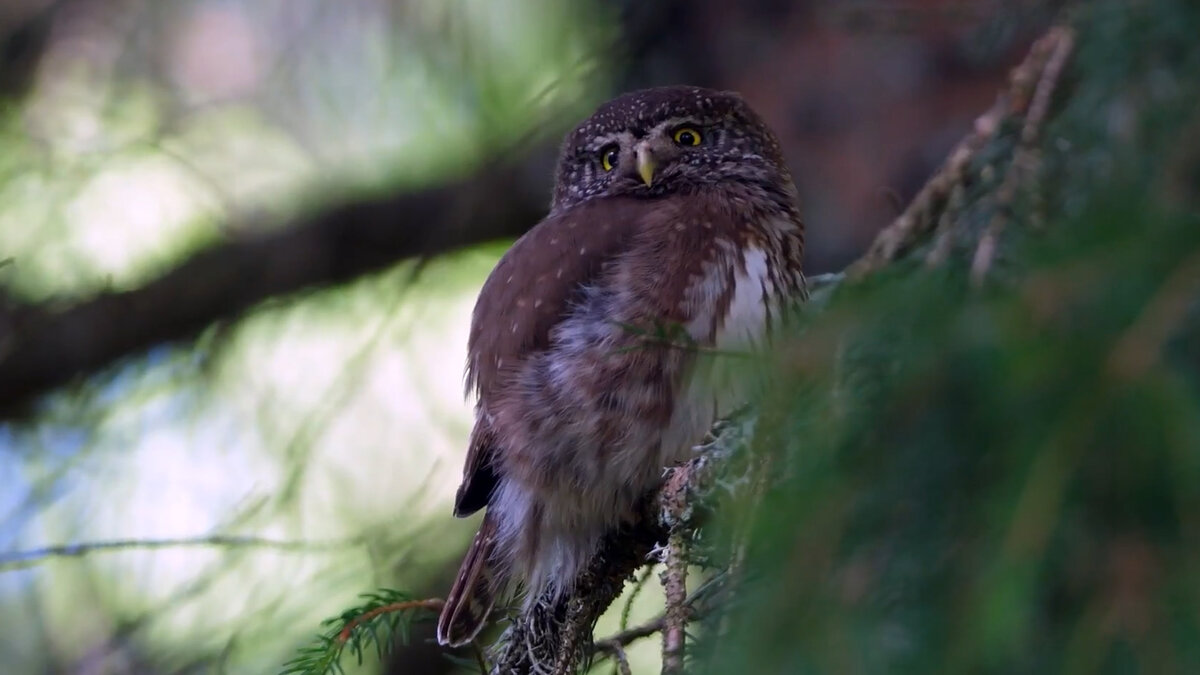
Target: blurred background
{"x":299,"y":199}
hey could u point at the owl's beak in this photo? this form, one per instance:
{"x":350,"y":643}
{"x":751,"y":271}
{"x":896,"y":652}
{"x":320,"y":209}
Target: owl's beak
{"x":645,"y":164}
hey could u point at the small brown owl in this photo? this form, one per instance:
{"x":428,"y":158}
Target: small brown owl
{"x":673,"y":215}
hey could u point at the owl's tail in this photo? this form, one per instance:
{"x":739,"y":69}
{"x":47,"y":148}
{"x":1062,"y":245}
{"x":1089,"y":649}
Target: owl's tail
{"x":474,"y":590}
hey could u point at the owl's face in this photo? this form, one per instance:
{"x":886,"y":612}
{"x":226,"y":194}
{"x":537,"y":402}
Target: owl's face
{"x":667,"y":140}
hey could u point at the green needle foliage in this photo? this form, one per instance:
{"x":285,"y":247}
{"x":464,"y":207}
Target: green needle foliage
{"x":377,"y":624}
{"x":998,"y":476}
{"x":1005,"y":478}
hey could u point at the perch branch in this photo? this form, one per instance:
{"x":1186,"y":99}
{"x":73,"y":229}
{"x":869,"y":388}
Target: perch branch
{"x":554,"y":637}
{"x":675,"y":510}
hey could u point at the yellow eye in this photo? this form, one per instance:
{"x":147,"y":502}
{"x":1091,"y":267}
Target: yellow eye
{"x":609,"y":157}
{"x":687,"y":136}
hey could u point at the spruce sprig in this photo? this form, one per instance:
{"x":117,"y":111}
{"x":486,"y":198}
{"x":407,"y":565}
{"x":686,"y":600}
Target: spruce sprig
{"x":385,"y":615}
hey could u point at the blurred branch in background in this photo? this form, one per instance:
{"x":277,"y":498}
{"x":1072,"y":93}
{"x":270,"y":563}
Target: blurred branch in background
{"x":24,"y":34}
{"x":43,"y":346}
{"x":22,"y":559}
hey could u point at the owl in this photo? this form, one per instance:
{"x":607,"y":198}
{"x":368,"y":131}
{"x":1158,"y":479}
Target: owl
{"x":674,"y":228}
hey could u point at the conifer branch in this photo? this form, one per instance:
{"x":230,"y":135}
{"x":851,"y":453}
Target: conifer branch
{"x":17,"y":560}
{"x":1057,"y":46}
{"x":432,"y":604}
{"x":1031,"y":85}
{"x":376,"y":623}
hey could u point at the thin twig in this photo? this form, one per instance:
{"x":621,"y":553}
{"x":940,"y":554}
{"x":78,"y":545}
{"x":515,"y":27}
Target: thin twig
{"x":23,"y":559}
{"x":944,"y":240}
{"x":630,"y":635}
{"x":917,"y":218}
{"x":619,"y":655}
{"x":921,"y":214}
{"x":692,"y":606}
{"x":675,"y":511}
{"x":1058,"y":43}
{"x":637,"y":590}
{"x":1039,"y":108}
{"x":432,"y":604}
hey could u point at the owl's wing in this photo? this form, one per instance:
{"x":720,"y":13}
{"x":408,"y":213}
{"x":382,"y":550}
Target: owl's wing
{"x":697,"y":261}
{"x":530,"y":290}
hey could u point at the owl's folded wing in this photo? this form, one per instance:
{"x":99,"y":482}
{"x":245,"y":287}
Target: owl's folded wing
{"x":530,"y":290}
{"x":696,"y":262}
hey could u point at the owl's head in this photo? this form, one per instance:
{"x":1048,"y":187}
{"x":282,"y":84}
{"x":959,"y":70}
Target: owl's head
{"x":668,"y":140}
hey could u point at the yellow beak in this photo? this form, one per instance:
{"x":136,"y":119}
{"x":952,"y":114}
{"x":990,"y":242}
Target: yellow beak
{"x":645,"y":165}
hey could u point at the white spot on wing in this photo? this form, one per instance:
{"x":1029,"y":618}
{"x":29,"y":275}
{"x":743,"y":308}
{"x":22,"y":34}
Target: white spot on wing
{"x":718,"y":385}
{"x":753,"y":289}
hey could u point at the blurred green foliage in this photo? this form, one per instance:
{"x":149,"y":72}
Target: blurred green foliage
{"x":330,"y":421}
{"x":1007,"y":478}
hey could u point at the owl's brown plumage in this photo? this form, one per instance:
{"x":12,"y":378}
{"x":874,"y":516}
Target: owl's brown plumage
{"x":673,"y":216}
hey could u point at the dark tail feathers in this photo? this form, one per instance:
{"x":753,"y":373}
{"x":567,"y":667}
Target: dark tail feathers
{"x":474,"y":591}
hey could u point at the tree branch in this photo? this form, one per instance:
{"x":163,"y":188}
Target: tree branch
{"x":44,"y":347}
{"x":923,"y":212}
{"x":675,"y":505}
{"x":21,"y":559}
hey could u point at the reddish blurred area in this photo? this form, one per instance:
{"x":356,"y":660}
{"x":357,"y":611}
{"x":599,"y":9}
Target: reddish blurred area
{"x":867,"y":97}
